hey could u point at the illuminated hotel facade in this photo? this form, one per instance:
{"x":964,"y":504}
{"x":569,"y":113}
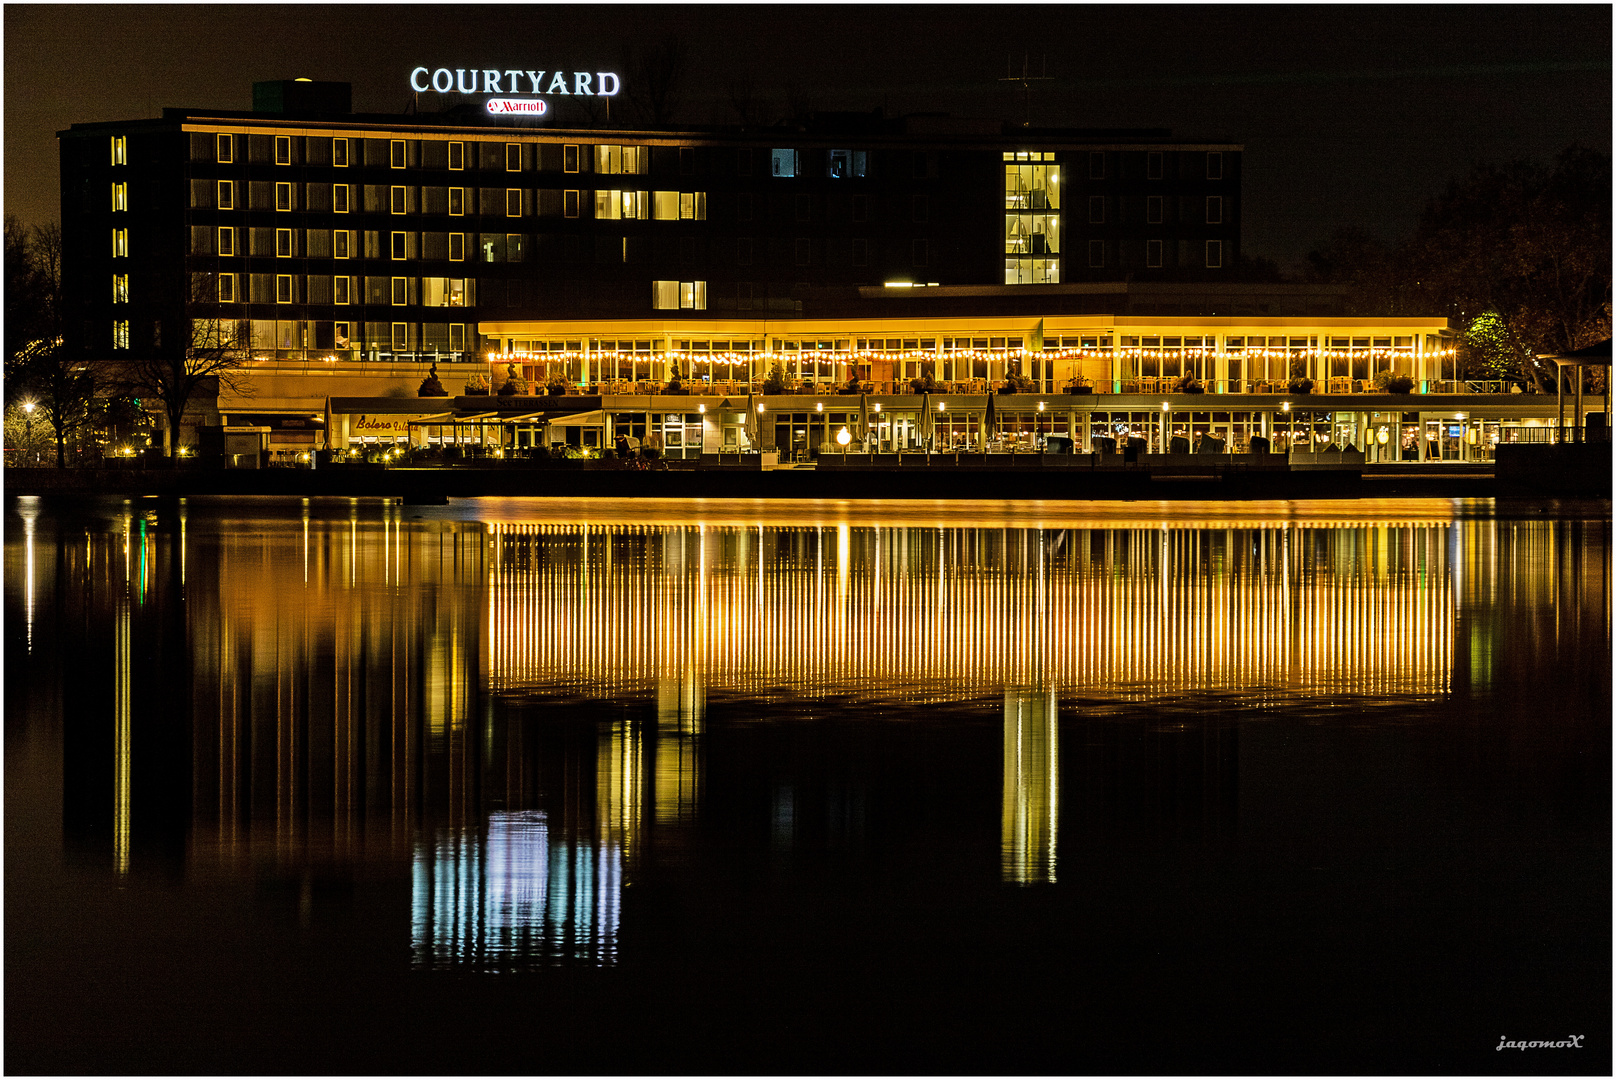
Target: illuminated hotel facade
{"x":347,"y":256}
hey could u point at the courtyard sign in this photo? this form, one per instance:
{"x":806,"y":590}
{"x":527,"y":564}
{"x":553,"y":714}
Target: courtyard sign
{"x":515,"y":81}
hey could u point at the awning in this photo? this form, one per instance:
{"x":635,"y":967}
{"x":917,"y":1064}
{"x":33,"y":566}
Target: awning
{"x":593,"y":418}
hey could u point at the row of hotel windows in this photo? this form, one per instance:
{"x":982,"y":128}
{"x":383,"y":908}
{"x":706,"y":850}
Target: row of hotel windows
{"x":265,"y":336}
{"x":379,"y":291}
{"x":1154,"y":206}
{"x":1046,"y":271}
{"x":406,"y":246}
{"x":517,"y":157}
{"x":609,"y":205}
{"x":611,"y":159}
{"x":453,"y":201}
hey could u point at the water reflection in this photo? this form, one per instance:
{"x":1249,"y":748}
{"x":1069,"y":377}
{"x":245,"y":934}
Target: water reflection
{"x":524,"y":712}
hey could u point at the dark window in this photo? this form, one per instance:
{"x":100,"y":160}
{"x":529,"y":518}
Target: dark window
{"x":804,"y":250}
{"x":743,"y":207}
{"x":921,"y":252}
{"x":396,"y":153}
{"x":803,"y":207}
{"x":861,"y":208}
{"x":743,"y":251}
{"x":918,"y":209}
{"x":861,"y":252}
{"x":1097,"y":165}
{"x":569,"y":204}
{"x":687,"y":161}
{"x":1096,"y":252}
{"x":457,"y":155}
{"x":919,"y":165}
{"x":569,"y":160}
{"x":1153,"y":165}
{"x":1214,"y":165}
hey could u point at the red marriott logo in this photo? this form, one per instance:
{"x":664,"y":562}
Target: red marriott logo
{"x":507,"y":106}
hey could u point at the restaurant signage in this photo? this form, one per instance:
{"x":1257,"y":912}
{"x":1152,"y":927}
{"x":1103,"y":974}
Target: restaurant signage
{"x":515,"y":81}
{"x":396,"y":425}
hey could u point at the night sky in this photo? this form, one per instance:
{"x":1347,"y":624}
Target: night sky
{"x":1350,"y":115}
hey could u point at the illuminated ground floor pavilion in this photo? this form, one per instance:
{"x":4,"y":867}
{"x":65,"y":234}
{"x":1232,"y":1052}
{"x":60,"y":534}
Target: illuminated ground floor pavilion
{"x":800,"y":388}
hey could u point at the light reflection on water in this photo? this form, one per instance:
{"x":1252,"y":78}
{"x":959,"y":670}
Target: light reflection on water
{"x":517,"y":697}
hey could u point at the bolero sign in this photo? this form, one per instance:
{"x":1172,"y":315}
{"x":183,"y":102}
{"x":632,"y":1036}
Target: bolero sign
{"x":514,"y":81}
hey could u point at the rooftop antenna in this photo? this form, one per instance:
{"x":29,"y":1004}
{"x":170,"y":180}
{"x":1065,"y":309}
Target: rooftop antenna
{"x":1026,"y":79}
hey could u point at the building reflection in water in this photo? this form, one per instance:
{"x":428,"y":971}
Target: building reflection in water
{"x":519,"y":710}
{"x":512,"y":891}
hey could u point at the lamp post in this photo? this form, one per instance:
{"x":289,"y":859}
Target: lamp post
{"x":28,"y":428}
{"x":1290,"y":427}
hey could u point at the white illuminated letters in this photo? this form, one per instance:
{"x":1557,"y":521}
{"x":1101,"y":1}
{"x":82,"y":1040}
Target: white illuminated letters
{"x":489,"y":80}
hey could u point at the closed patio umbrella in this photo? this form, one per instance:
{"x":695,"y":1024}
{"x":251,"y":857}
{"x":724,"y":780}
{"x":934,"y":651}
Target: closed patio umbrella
{"x":925,"y":419}
{"x":864,"y":419}
{"x":989,"y":419}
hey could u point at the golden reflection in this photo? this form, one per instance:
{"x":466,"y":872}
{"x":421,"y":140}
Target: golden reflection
{"x":123,"y":735}
{"x":1031,"y":809}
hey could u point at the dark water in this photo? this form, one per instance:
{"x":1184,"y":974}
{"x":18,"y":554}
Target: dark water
{"x":586,"y":787}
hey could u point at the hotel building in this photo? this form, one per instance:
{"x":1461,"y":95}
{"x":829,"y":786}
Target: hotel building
{"x":346,"y":255}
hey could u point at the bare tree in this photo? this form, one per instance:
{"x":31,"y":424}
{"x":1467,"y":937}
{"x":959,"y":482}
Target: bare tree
{"x":657,"y":77}
{"x":64,"y":389}
{"x":213,"y":360}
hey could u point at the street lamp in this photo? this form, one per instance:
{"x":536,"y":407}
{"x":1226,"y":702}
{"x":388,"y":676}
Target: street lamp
{"x":28,"y":426}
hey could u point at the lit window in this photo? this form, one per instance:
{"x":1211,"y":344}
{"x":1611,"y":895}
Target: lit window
{"x":396,"y":153}
{"x":1214,"y":253}
{"x":457,"y":202}
{"x":513,"y":157}
{"x":1214,"y":165}
{"x":569,"y":204}
{"x":283,"y":288}
{"x":120,"y":334}
{"x":1153,"y":165}
{"x":693,"y":206}
{"x":1096,"y":209}
{"x":457,"y":247}
{"x":339,"y":244}
{"x":283,"y":196}
{"x":513,"y":202}
{"x":339,"y":199}
{"x":1096,"y":252}
{"x":783,"y":162}
{"x":227,"y":288}
{"x":339,"y":153}
{"x":676,"y":295}
{"x":120,"y":196}
{"x":120,"y":150}
{"x":283,"y":243}
{"x":341,"y":335}
{"x":339,"y":290}
{"x":1153,"y":253}
{"x":227,"y":195}
{"x":224,"y":149}
{"x":665,"y":205}
{"x":120,"y":243}
{"x":401,"y":291}
{"x":397,"y":201}
{"x":1153,"y":209}
{"x":1214,"y":209}
{"x":569,"y":158}
{"x":120,"y":288}
{"x":283,"y":149}
{"x":457,"y":156}
{"x":399,"y":246}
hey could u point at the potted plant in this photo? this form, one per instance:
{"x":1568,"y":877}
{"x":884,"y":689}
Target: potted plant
{"x":430,"y":386}
{"x":1388,"y":382}
{"x":514,"y":383}
{"x":1188,"y":384}
{"x":775,"y":381}
{"x":477,"y":384}
{"x":1299,"y":384}
{"x":556,"y":388}
{"x":1079,"y":384}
